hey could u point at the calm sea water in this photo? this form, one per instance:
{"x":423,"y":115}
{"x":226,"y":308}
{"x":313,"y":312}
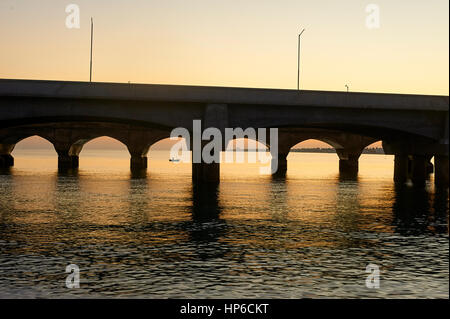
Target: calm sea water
{"x":310,"y":234}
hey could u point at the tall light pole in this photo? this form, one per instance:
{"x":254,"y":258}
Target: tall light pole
{"x":92,"y":36}
{"x":298,"y":61}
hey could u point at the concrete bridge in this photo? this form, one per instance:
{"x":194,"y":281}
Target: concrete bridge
{"x":414,"y":128}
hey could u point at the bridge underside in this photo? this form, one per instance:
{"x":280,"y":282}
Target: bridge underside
{"x":412,"y":156}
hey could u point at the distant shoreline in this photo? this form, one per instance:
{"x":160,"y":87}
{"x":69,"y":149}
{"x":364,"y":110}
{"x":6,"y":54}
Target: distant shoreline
{"x":377,"y":150}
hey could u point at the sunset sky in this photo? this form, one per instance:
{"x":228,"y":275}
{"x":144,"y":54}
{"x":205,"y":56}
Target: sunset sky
{"x":244,"y":43}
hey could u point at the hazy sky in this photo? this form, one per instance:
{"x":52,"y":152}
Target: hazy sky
{"x":249,"y":43}
{"x":246,"y":43}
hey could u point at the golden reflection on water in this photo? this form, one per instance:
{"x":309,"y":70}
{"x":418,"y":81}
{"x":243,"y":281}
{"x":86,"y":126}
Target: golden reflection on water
{"x":308,"y":217}
{"x":102,"y":191}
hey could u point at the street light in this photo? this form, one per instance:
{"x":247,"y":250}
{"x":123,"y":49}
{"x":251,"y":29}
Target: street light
{"x":298,"y":61}
{"x":92,"y":38}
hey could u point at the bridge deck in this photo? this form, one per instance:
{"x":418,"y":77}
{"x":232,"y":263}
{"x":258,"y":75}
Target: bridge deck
{"x":226,"y":95}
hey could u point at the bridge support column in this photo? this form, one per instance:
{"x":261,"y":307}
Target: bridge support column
{"x":349,"y":166}
{"x":419,"y":170}
{"x":205,"y":173}
{"x":401,"y":169}
{"x":138,"y":162}
{"x":66,"y":149}
{"x":441,"y":171}
{"x":215,"y":116}
{"x":348,"y":162}
{"x":138,"y":144}
{"x":430,"y":166}
{"x":281,"y":165}
{"x":6,"y":159}
{"x":66,"y":161}
{"x":67,"y":157}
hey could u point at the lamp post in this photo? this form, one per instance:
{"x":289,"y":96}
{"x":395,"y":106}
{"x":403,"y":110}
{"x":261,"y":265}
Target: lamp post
{"x":92,"y":37}
{"x":298,"y":61}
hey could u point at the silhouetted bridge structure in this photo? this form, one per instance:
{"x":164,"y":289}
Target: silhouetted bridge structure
{"x":414,"y":128}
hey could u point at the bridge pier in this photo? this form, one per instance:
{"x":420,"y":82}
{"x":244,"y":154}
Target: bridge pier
{"x":429,"y":165}
{"x":67,"y":156}
{"x":66,"y":148}
{"x":441,"y":171}
{"x":401,"y":169}
{"x":419,"y":170}
{"x":205,"y":173}
{"x":138,"y":144}
{"x":66,"y":161}
{"x":281,"y":165}
{"x":215,"y":116}
{"x":348,"y":162}
{"x":6,"y":159}
{"x":138,"y":162}
{"x":349,"y":166}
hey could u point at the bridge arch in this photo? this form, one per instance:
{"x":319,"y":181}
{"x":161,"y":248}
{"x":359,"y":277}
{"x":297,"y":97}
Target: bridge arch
{"x":246,"y":143}
{"x":248,"y":150}
{"x":374,"y":146}
{"x":165,"y":143}
{"x":348,"y":146}
{"x":78,"y":145}
{"x":14,"y":146}
{"x":9,"y":141}
{"x":112,"y":152}
{"x":291,"y":147}
{"x":14,"y":139}
{"x":27,"y":142}
{"x":68,"y":139}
